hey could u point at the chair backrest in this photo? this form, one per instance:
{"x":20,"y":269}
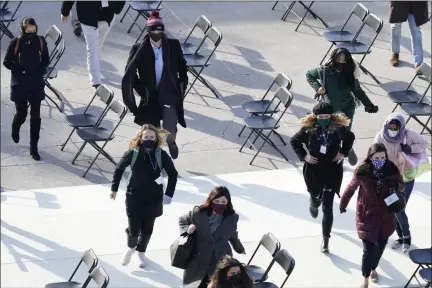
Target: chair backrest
{"x":270,"y":243}
{"x":425,"y":69}
{"x":55,"y":35}
{"x":118,"y":107}
{"x":203,"y":23}
{"x":286,"y":261}
{"x":284,"y":96}
{"x":214,"y":36}
{"x":360,"y":11}
{"x":374,"y":22}
{"x":281,"y":80}
{"x":106,"y":95}
{"x":57,"y":55}
{"x":90,"y":259}
{"x":100,"y":277}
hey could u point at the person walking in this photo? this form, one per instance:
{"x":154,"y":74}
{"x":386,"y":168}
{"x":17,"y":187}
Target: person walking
{"x":96,"y":19}
{"x":214,"y":226}
{"x":376,"y":176}
{"x":27,"y":58}
{"x":416,"y":13}
{"x":230,"y":273}
{"x":398,"y":141}
{"x":340,"y":87}
{"x":144,"y":192}
{"x":328,"y":142}
{"x":157,"y":70}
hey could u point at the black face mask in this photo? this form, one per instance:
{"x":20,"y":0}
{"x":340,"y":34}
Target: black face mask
{"x":340,"y":66}
{"x":29,"y":35}
{"x":235,"y":280}
{"x":155,"y":37}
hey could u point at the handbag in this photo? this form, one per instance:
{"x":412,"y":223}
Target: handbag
{"x":413,"y":165}
{"x":181,"y":250}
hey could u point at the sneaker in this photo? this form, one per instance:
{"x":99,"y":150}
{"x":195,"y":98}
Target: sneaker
{"x":352,"y":158}
{"x":397,"y":244}
{"x":173,"y":149}
{"x":406,"y":244}
{"x":141,"y":257}
{"x":394,"y":60}
{"x":313,"y":211}
{"x":374,"y":276}
{"x":325,"y":245}
{"x":126,"y":258}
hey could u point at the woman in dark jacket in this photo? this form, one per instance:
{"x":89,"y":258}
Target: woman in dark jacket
{"x":145,"y":190}
{"x":376,"y":176}
{"x":27,"y":57}
{"x":340,"y":87}
{"x":230,"y":273}
{"x":214,"y":225}
{"x":328,"y":142}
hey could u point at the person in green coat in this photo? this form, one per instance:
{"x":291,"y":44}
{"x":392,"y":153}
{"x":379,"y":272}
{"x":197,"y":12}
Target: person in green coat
{"x":339,"y":86}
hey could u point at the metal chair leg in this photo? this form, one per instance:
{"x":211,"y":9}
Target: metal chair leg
{"x":241,"y":131}
{"x":247,"y":139}
{"x":366,"y":71}
{"x":331,"y":46}
{"x":133,"y":23}
{"x":413,"y":275}
{"x":304,"y":16}
{"x":67,"y":140}
{"x":274,"y":6}
{"x":288,"y":11}
{"x":280,"y":137}
{"x":79,"y":152}
{"x":124,"y":15}
{"x":394,"y":109}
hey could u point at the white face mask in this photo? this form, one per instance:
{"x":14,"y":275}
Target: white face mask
{"x":392,"y":133}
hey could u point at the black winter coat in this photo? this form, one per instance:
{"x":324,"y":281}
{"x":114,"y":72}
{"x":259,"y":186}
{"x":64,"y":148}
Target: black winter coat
{"x":141,"y":76}
{"x":91,"y":12}
{"x":28,"y":68}
{"x":325,"y":174}
{"x":144,"y":196}
{"x":399,"y":11}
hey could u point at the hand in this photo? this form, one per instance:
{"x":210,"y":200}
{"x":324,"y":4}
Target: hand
{"x":113,"y":195}
{"x":191,"y":229}
{"x":310,"y":159}
{"x":64,"y":18}
{"x":342,"y":210}
{"x":339,"y":157}
{"x":321,"y":91}
{"x":406,"y":148}
{"x":371,"y":109}
{"x":166,"y":200}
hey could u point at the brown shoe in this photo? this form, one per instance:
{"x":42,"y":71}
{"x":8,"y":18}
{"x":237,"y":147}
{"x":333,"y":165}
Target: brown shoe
{"x":418,"y":70}
{"x":394,"y":60}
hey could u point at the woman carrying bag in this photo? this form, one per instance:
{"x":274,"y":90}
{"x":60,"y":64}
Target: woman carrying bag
{"x":407,"y":149}
{"x":380,"y":196}
{"x":214,"y":226}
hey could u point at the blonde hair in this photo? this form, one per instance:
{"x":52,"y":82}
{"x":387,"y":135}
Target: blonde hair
{"x":137,"y":139}
{"x":339,"y":119}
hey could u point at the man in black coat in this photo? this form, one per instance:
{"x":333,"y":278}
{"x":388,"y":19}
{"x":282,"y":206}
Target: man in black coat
{"x":157,"y":71}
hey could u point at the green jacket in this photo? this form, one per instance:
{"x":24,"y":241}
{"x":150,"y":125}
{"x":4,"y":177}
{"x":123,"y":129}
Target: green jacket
{"x":339,"y":93}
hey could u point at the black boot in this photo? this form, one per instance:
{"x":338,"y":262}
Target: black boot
{"x":16,"y":125}
{"x":325,"y":245}
{"x":34,"y":138}
{"x":173,"y":149}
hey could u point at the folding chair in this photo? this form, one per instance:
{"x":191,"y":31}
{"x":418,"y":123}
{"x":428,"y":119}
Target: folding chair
{"x":260,"y":106}
{"x":204,"y":24}
{"x":411,"y":96}
{"x":56,"y":36}
{"x":90,"y":259}
{"x":86,"y":119}
{"x":426,"y":275}
{"x":92,"y":135}
{"x":272,"y":245}
{"x":7,"y":16}
{"x":259,"y":123}
{"x":360,"y":48}
{"x":143,"y":9}
{"x":52,"y":73}
{"x":308,"y":10}
{"x":100,"y":277}
{"x":197,"y":61}
{"x":342,"y":36}
{"x":286,"y":261}
{"x":421,"y":257}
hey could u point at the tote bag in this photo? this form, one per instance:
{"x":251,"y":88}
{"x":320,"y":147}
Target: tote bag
{"x":181,"y":250}
{"x":413,"y":165}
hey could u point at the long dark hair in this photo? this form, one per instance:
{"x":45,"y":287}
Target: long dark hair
{"x":365,"y":168}
{"x":349,"y":67}
{"x":219,"y":278}
{"x":217,"y":192}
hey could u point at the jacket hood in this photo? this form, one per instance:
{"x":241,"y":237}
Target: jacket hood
{"x":400,"y":137}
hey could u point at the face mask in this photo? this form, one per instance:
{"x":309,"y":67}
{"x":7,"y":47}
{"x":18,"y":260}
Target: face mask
{"x":29,"y":35}
{"x":156,"y":36}
{"x":392,"y":133}
{"x":218,"y":208}
{"x":340,"y":66}
{"x":378,"y":164}
{"x":235,"y":279}
{"x":323,"y":122}
{"x":148,"y":144}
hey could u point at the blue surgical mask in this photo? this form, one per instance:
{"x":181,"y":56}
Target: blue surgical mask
{"x":378,"y":163}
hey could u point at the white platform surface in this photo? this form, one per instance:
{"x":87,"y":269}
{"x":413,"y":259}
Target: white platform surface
{"x":44,"y":232}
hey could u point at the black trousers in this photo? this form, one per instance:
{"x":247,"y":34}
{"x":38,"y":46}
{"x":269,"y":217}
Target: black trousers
{"x":204,"y":282}
{"x":372,"y":253}
{"x":325,"y":198}
{"x":139,"y":232}
{"x":21,"y":111}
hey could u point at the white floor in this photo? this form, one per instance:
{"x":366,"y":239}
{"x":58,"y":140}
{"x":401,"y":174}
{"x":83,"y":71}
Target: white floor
{"x":44,"y":232}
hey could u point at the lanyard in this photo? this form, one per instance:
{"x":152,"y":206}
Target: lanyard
{"x":153,"y":164}
{"x":324,"y":135}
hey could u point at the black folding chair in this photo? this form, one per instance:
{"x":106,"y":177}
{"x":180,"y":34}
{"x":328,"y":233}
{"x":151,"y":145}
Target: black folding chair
{"x":197,"y":62}
{"x":52,"y":73}
{"x":90,"y":259}
{"x":421,"y":257}
{"x":6,"y":18}
{"x":286,"y":261}
{"x":100,"y":277}
{"x":272,"y":245}
{"x":360,"y":48}
{"x":308,"y":10}
{"x":143,"y":9}
{"x":92,"y":135}
{"x":204,"y":24}
{"x":260,"y":106}
{"x":258,"y":123}
{"x":87,"y":119}
{"x":426,"y":275}
{"x":411,"y":96}
{"x":342,"y":36}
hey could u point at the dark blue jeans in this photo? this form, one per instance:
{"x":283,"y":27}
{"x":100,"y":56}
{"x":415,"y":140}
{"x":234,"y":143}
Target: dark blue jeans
{"x":402,"y":225}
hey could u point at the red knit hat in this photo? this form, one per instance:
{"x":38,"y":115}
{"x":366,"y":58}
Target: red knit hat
{"x":154,"y":22}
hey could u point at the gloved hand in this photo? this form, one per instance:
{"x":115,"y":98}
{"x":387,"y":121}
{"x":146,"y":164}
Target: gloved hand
{"x":406,"y":148}
{"x":342,"y":210}
{"x":166,"y":200}
{"x":371,"y":109}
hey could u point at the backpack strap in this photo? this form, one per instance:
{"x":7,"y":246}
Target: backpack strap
{"x":17,"y":46}
{"x":41,"y":45}
{"x":159,"y":157}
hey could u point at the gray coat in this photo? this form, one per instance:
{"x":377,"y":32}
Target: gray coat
{"x":207,"y":243}
{"x":399,"y":11}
